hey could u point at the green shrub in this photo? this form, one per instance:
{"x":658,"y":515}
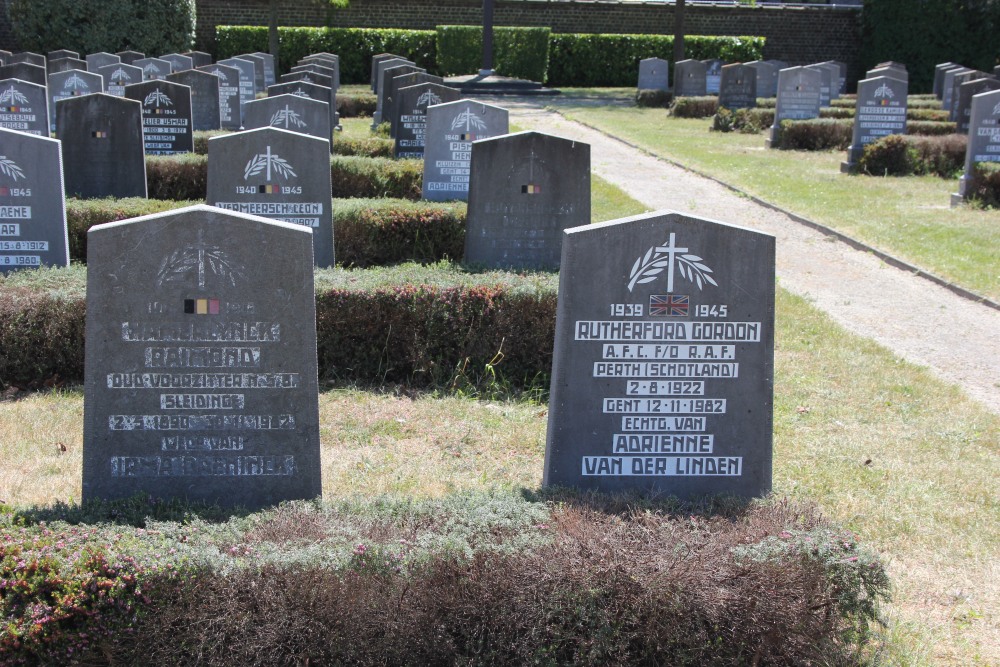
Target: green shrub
{"x":817,"y":134}
{"x":201,"y":138}
{"x":930,"y":128}
{"x":388,"y":231}
{"x":355,"y":46}
{"x":899,"y":155}
{"x":745,"y":121}
{"x":149,"y":26}
{"x":888,"y":156}
{"x":985,"y":186}
{"x":659,"y":99}
{"x":177,"y":177}
{"x":376,"y":177}
{"x":363,"y":146}
{"x":836,"y":112}
{"x":82,"y":214}
{"x":522,"y":53}
{"x":767,"y":102}
{"x":613,"y":60}
{"x":694,"y":107}
{"x":353,"y":105}
{"x":923,"y":113}
{"x":42,"y":337}
{"x":844,"y":102}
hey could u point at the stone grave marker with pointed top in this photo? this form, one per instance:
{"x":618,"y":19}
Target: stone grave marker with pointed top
{"x":654,"y":74}
{"x":65,"y":64}
{"x":276,"y":174}
{"x":451,"y":129}
{"x":62,"y":53}
{"x":259,"y":84}
{"x":391,"y":111}
{"x":290,"y":112}
{"x":129,"y":57}
{"x":25,"y":72}
{"x":101,"y":59}
{"x":383,"y":81}
{"x":24,"y":107}
{"x":119,"y":75}
{"x":247,"y":87}
{"x":798,"y":98}
{"x":880,"y":111}
{"x":984,"y":140}
{"x":767,"y":78}
{"x":204,"y":87}
{"x":154,"y":69}
{"x":689,"y":78}
{"x":71,"y":83}
{"x":178,"y":62}
{"x":966,"y":91}
{"x":376,"y":59}
{"x":200,"y":371}
{"x":270,"y":75}
{"x":200,"y":58}
{"x":229,"y":94}
{"x":305,"y":89}
{"x":166,"y":116}
{"x":411,"y":116}
{"x":738,"y":89}
{"x":29,"y":57}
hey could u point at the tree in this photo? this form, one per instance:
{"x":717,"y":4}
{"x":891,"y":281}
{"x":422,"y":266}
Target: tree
{"x":678,"y":30}
{"x":273,"y":43}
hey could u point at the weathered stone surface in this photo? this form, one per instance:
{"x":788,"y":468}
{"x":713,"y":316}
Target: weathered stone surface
{"x":28,"y":57}
{"x":200,"y":378}
{"x":767,"y":78}
{"x":166,"y":116}
{"x":381,"y":67}
{"x":451,"y":129}
{"x":200,"y":58}
{"x":376,"y":59}
{"x":662,"y":377}
{"x":277,"y":174}
{"x":738,"y":89}
{"x":25,"y":72}
{"x":129,"y":57}
{"x":204,"y":87}
{"x":270,"y":75}
{"x":154,"y":69}
{"x":259,"y":84}
{"x":62,"y":53}
{"x":101,"y":59}
{"x":102,"y":146}
{"x":966,"y":91}
{"x":984,"y":139}
{"x":524,"y":190}
{"x":24,"y":107}
{"x":948,"y":86}
{"x":713,"y":76}
{"x":178,"y":62}
{"x":689,"y":78}
{"x":411,"y":116}
{"x":119,"y":75}
{"x":65,"y":64}
{"x":654,"y":74}
{"x":391,"y":111}
{"x":294,"y":113}
{"x":798,"y":97}
{"x":248,"y":90}
{"x":826,"y":81}
{"x":229,"y":94}
{"x":312,"y":91}
{"x":32,"y":203}
{"x":880,"y":111}
{"x":71,"y":83}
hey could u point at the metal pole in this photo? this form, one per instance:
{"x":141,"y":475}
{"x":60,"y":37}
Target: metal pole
{"x":487,"y":38}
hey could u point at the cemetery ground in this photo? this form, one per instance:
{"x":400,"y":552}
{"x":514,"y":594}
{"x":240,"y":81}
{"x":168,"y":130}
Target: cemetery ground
{"x":879,"y":445}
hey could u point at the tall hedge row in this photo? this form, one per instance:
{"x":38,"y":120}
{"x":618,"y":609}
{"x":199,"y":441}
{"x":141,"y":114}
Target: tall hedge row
{"x":923,"y":33}
{"x":149,"y":26}
{"x":572,"y":59}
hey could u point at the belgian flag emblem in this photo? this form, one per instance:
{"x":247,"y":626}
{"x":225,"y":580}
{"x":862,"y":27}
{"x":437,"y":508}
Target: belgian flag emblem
{"x":531,"y":189}
{"x":10,"y":109}
{"x":268,"y":189}
{"x":468,"y":136}
{"x":201,"y":306}
{"x":98,"y":134}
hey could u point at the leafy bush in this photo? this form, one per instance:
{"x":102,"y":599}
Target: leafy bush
{"x":836,"y":112}
{"x":149,"y":26}
{"x":931,"y":128}
{"x":694,"y":107}
{"x":82,"y":214}
{"x":177,"y":177}
{"x":353,"y":105}
{"x":376,"y":177}
{"x":923,"y":113}
{"x":522,"y":53}
{"x":380,"y":232}
{"x":355,"y":46}
{"x":899,"y":155}
{"x":817,"y":134}
{"x":659,"y":99}
{"x":745,"y":121}
{"x":613,"y":60}
{"x":201,"y":138}
{"x":363,"y":146}
{"x":985,"y":185}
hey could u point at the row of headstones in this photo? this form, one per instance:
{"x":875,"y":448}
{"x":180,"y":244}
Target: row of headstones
{"x":955,"y":85}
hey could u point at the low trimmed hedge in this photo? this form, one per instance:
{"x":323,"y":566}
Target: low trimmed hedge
{"x":371,"y":146}
{"x":407,"y":324}
{"x":660,"y":99}
{"x":355,"y":105}
{"x":82,"y":214}
{"x":816,"y":134}
{"x":694,"y":107}
{"x":521,"y":53}
{"x":905,"y":155}
{"x":986,"y":185}
{"x":177,"y":177}
{"x":745,"y":121}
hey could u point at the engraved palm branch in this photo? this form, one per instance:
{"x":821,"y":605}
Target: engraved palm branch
{"x":267,"y":161}
{"x":647,"y":268}
{"x":199,"y":260}
{"x":151,"y":68}
{"x":884,"y":91}
{"x":692,"y":268}
{"x":285,"y":117}
{"x":75,"y":83}
{"x":13,"y":96}
{"x":120,"y":75}
{"x":427,"y":99}
{"x":9,"y":168}
{"x":156,"y":98}
{"x":470,"y":120}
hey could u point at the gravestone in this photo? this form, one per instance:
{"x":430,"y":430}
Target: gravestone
{"x":72,"y":83}
{"x":880,"y":111}
{"x":258,"y":71}
{"x":276,"y":174}
{"x":778,"y":64}
{"x":178,"y":62}
{"x":5,"y":57}
{"x":102,"y":146}
{"x":376,"y":59}
{"x":798,"y":98}
{"x":306,"y":89}
{"x":939,"y":71}
{"x":25,"y":72}
{"x":204,"y":87}
{"x":24,"y":107}
{"x":200,"y":369}
{"x":654,"y":74}
{"x":32,"y":204}
{"x":229,"y":94}
{"x":767,"y":78}
{"x":328,"y":61}
{"x":738,"y":89}
{"x":65,"y":64}
{"x":129,"y":57}
{"x":290,"y":112}
{"x":325,"y":82}
{"x":199,"y":58}
{"x":524,"y":190}
{"x":966,"y":91}
{"x":713,"y":76}
{"x":825,"y":83}
{"x":97,"y":60}
{"x":382,"y":114}
{"x":117,"y":76}
{"x":270,"y":76}
{"x":689,"y":78}
{"x":166,"y":116}
{"x":36,"y":59}
{"x":62,"y":53}
{"x":957,"y":82}
{"x":948,"y":86}
{"x":663,"y":368}
{"x":380,"y":68}
{"x":154,"y":69}
{"x":451,"y":129}
{"x":840,"y":85}
{"x":411,"y":116}
{"x":391,"y":112}
{"x":247,"y":90}
{"x":984,"y":140}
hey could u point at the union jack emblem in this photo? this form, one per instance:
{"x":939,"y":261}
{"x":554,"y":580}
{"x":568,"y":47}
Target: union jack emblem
{"x":668,"y":305}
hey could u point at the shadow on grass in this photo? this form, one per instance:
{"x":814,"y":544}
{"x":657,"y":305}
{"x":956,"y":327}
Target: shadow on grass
{"x":134,"y":511}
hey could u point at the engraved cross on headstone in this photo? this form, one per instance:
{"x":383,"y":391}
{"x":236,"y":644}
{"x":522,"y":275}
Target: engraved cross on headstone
{"x":671,"y":250}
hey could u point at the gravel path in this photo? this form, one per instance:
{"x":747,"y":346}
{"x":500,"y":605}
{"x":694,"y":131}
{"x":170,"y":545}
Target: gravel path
{"x":917,"y":319}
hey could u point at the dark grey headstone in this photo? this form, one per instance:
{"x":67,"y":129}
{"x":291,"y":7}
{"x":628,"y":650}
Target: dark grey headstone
{"x":957,"y":82}
{"x":411,"y":116}
{"x":178,"y":62}
{"x":381,"y":81}
{"x":316,"y":68}
{"x":964,"y":104}
{"x":119,"y":75}
{"x":204,"y":97}
{"x":248,"y":91}
{"x":663,"y":368}
{"x":451,"y":129}
{"x":984,"y":138}
{"x":5,"y":57}
{"x":309,"y":77}
{"x":826,"y":82}
{"x":24,"y":107}
{"x":129,"y":57}
{"x":72,"y":83}
{"x":270,"y":73}
{"x":397,"y":83}
{"x":376,"y":59}
{"x":154,"y":69}
{"x":654,"y":74}
{"x":277,"y":174}
{"x":778,"y":64}
{"x":893,"y":72}
{"x":290,"y":112}
{"x":767,"y":78}
{"x":97,"y":60}
{"x":62,"y":53}
{"x":25,"y":72}
{"x":229,"y":94}
{"x":200,"y":58}
{"x":841,"y":85}
{"x":798,"y":97}
{"x":689,"y":78}
{"x":200,"y":370}
{"x":166,"y":116}
{"x":939,"y":71}
{"x":713,"y":76}
{"x":880,"y":111}
{"x":102,"y":146}
{"x":306,"y":89}
{"x":28,"y":57}
{"x":327,"y":60}
{"x":383,"y":103}
{"x":948,"y":86}
{"x":65,"y":64}
{"x":32,"y":204}
{"x":259,"y":84}
{"x":738,"y":89}
{"x":524,"y":190}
